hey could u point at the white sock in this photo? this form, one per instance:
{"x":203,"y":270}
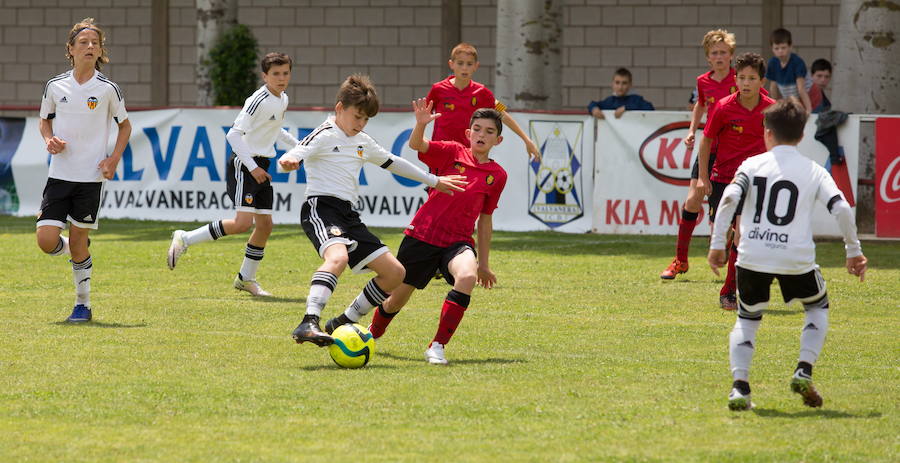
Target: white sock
{"x":369,"y":297}
{"x":815,"y":327}
{"x":320,"y":289}
{"x":81,"y":275}
{"x":62,"y":247}
{"x":742,"y":343}
{"x":209,"y":232}
{"x":252,"y":257}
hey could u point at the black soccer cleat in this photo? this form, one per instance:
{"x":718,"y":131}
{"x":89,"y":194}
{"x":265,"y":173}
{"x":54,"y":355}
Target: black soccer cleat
{"x":335,"y":322}
{"x":308,"y":330}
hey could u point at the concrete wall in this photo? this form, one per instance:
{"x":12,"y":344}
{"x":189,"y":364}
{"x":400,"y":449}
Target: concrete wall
{"x":398,"y":43}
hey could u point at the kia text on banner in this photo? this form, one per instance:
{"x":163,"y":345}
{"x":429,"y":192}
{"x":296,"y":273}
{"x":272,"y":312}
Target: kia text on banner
{"x":887,"y":177}
{"x":643,"y":170}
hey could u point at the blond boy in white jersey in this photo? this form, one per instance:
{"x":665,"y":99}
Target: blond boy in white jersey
{"x":252,"y":138}
{"x":774,"y":193}
{"x":76,"y":109}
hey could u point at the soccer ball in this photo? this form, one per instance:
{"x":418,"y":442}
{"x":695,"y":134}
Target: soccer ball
{"x":353,"y":346}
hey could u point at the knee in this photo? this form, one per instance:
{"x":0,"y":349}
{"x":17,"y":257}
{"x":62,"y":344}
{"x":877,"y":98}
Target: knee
{"x":241,"y":225}
{"x":339,"y":260}
{"x":465,"y":280}
{"x":264,"y":225}
{"x":47,"y":241}
{"x":393,"y":276}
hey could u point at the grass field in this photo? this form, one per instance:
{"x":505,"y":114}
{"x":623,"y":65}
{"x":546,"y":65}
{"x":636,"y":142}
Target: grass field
{"x":581,"y":353}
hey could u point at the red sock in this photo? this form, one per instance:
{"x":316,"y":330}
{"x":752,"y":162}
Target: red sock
{"x":729,"y":287}
{"x":685,"y":231}
{"x":380,"y":322}
{"x":451,"y":314}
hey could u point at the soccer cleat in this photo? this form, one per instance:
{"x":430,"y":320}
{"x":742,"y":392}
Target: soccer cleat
{"x":80,"y":314}
{"x":673,"y":269}
{"x":435,"y":354}
{"x":177,"y":248}
{"x":739,"y":402}
{"x":335,"y":322}
{"x":728,"y":301}
{"x":308,"y":330}
{"x":251,"y":286}
{"x":803,"y":385}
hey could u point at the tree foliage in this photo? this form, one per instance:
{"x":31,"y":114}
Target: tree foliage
{"x":233,"y":62}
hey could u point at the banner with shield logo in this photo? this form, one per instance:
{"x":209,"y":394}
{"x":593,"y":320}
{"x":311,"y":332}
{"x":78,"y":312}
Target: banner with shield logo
{"x":555,"y":182}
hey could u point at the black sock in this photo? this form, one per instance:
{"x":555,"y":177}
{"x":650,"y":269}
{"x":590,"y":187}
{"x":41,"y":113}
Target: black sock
{"x":386,"y":314}
{"x":806,"y":368}
{"x":742,"y":386}
{"x":343,"y":320}
{"x":459,"y":298}
{"x":688,"y":216}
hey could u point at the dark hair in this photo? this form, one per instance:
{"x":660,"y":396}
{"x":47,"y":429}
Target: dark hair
{"x":780,"y":35}
{"x":275,"y":59}
{"x":624,"y":73}
{"x":820,"y":64}
{"x":786,"y":119}
{"x":359,"y":91}
{"x":488,"y":113}
{"x":752,"y":60}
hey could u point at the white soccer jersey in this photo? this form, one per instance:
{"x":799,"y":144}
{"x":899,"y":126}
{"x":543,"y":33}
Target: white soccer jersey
{"x":262,"y":120}
{"x":81,"y":115}
{"x":780,"y":188}
{"x":332,"y":161}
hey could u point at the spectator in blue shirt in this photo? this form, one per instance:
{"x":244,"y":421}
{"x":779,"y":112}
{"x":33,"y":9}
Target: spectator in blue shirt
{"x":786,"y":71}
{"x":620,"y":100}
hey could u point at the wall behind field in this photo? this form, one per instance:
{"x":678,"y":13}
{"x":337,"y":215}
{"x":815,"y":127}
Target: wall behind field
{"x":398,"y":43}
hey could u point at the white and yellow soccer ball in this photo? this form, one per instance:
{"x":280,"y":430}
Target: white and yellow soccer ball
{"x":353,"y":346}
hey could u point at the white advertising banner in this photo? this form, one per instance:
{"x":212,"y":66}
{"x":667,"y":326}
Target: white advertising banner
{"x":643,"y":170}
{"x":174,"y":169}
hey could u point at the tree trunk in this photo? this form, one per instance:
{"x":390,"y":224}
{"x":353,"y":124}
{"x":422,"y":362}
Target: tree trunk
{"x":529,"y":41}
{"x":867,"y":57}
{"x":213,"y":16}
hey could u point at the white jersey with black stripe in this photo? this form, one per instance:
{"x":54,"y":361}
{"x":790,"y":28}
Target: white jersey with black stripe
{"x":780,"y":189}
{"x":81,"y":115}
{"x":332,"y":160}
{"x":261,"y":120}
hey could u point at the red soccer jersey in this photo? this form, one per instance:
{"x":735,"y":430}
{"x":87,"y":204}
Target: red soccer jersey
{"x":709,"y":91}
{"x":444,"y":219}
{"x":737,"y":132}
{"x":456,"y":107}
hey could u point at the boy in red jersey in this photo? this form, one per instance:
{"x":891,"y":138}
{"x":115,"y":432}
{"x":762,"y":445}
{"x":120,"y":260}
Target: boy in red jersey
{"x":458,"y":96}
{"x":711,"y":87}
{"x":440,"y":235}
{"x":736,"y":125}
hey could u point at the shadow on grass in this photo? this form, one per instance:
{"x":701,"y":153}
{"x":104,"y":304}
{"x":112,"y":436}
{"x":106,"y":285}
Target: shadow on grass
{"x":454,"y":361}
{"x":370,"y":366}
{"x":830,"y":414}
{"x":95,"y":324}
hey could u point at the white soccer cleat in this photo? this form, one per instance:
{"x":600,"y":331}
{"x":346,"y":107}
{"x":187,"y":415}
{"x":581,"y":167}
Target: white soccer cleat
{"x":739,"y":402}
{"x":177,"y":248}
{"x":251,"y":286}
{"x":435,"y":354}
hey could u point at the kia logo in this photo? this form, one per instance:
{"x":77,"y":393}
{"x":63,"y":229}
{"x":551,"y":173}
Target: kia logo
{"x":890,"y":182}
{"x":665,"y":156}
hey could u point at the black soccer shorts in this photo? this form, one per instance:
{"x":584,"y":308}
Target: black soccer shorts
{"x":75,"y":202}
{"x":421,"y":260}
{"x":753,"y":289}
{"x":328,"y":220}
{"x":244,"y":191}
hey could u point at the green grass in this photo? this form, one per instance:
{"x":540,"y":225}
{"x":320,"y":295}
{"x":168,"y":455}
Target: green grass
{"x":580,"y":353}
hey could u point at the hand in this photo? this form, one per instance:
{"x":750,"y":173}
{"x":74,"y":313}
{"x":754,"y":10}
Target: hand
{"x":260,"y":175}
{"x":716,"y":260}
{"x":55,"y":145}
{"x":689,"y":141}
{"x":596,"y":112}
{"x":450,"y":183}
{"x":288,"y":164}
{"x":108,"y":167}
{"x":533,"y":152}
{"x":486,"y":277}
{"x":422,"y":108}
{"x":857,"y":266}
{"x":619,"y":111}
{"x":704,"y":186}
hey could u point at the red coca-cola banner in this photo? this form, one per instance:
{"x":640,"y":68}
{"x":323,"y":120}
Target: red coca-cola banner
{"x":887,"y":177}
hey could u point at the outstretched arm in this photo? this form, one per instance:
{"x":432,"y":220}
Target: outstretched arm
{"x":422,"y":108}
{"x":533,"y":152}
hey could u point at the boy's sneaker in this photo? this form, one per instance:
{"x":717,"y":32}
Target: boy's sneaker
{"x":308,"y":330}
{"x":728,"y":301}
{"x":739,"y":402}
{"x":803,"y":385}
{"x":177,"y":248}
{"x":673,"y":269}
{"x":435,"y":354}
{"x":251,"y":286}
{"x":80,"y":314}
{"x":335,"y":322}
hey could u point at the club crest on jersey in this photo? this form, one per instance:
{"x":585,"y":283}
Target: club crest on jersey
{"x":711,"y":100}
{"x":474,"y":101}
{"x":458,"y":166}
{"x":737,"y":128}
{"x":489,"y":179}
{"x":449,"y":106}
{"x":92,"y":102}
{"x":335,"y":231}
{"x":732,"y":89}
{"x":248,"y":198}
{"x":359,"y":150}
